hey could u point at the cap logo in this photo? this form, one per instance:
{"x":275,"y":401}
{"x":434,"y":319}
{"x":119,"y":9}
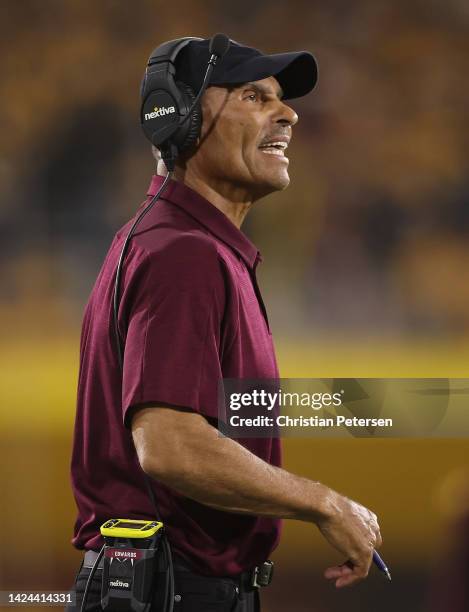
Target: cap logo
{"x":159,"y":112}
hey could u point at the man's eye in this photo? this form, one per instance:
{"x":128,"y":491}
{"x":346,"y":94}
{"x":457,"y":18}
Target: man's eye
{"x":252,"y":96}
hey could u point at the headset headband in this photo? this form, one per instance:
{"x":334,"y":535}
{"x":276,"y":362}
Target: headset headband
{"x":165,"y":53}
{"x":168,"y":51}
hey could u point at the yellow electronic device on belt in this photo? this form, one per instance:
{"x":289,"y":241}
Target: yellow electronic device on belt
{"x":130,"y":528}
{"x":132,"y":556}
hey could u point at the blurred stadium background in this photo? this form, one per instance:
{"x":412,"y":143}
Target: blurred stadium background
{"x":365,"y":271}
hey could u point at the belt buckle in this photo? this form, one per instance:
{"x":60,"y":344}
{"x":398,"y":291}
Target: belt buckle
{"x":262,"y":574}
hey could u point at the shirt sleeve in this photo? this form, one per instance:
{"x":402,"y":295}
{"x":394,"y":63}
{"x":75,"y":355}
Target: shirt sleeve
{"x":175,"y":311}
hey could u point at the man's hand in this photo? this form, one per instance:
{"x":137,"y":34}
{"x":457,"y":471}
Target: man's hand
{"x":354,"y":531}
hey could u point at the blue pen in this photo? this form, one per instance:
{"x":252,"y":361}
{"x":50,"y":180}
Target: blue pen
{"x":381,"y":565}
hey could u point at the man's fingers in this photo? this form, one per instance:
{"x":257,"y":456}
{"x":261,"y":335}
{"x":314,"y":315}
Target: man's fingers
{"x":379,"y":540}
{"x":337,"y":571}
{"x":346,"y":581}
{"x":346,"y":574}
{"x":376,"y":529}
{"x":355,"y":575}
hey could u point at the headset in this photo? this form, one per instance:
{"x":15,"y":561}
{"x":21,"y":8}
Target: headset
{"x":170,"y":114}
{"x":171,"y":118}
{"x":165,"y":100}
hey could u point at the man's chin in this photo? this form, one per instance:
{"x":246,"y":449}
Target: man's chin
{"x":266,"y":188}
{"x":284,"y":182}
{"x":265,"y":183}
{"x":278,"y":182}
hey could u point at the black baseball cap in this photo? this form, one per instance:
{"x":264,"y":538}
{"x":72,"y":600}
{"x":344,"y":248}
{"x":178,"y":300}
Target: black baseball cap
{"x":296,"y":72}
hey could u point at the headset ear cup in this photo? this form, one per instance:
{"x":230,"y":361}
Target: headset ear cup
{"x":190,"y":130}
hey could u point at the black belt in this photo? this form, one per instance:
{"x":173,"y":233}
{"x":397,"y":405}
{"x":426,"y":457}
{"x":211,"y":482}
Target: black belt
{"x":247,"y":580}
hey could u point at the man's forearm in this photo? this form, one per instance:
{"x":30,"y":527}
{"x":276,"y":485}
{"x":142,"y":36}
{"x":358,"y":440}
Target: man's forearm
{"x":230,"y":478}
{"x":221,"y":473}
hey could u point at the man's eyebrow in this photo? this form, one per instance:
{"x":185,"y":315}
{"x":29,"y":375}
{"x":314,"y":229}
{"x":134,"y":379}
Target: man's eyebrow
{"x":262,"y":89}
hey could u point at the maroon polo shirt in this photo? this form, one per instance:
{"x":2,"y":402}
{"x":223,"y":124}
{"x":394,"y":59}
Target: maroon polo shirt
{"x":191,"y":313}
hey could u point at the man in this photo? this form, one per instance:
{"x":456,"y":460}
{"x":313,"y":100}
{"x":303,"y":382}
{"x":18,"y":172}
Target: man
{"x":192,"y":314}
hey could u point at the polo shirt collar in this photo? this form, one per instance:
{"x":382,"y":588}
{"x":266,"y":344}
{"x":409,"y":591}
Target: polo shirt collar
{"x":208,"y":215}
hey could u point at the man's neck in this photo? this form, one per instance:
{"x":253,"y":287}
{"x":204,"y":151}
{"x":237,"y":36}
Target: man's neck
{"x":234,"y":202}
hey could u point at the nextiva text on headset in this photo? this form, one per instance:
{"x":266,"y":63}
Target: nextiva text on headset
{"x":136,"y":551}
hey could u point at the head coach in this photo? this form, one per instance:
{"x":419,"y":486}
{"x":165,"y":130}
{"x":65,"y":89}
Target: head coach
{"x":187,"y":312}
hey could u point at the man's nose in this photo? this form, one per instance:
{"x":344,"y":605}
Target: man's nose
{"x":286,"y":115}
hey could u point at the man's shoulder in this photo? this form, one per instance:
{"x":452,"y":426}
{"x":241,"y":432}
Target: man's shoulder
{"x":177,"y":245}
{"x":185,"y":259}
{"x":167,"y":230}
